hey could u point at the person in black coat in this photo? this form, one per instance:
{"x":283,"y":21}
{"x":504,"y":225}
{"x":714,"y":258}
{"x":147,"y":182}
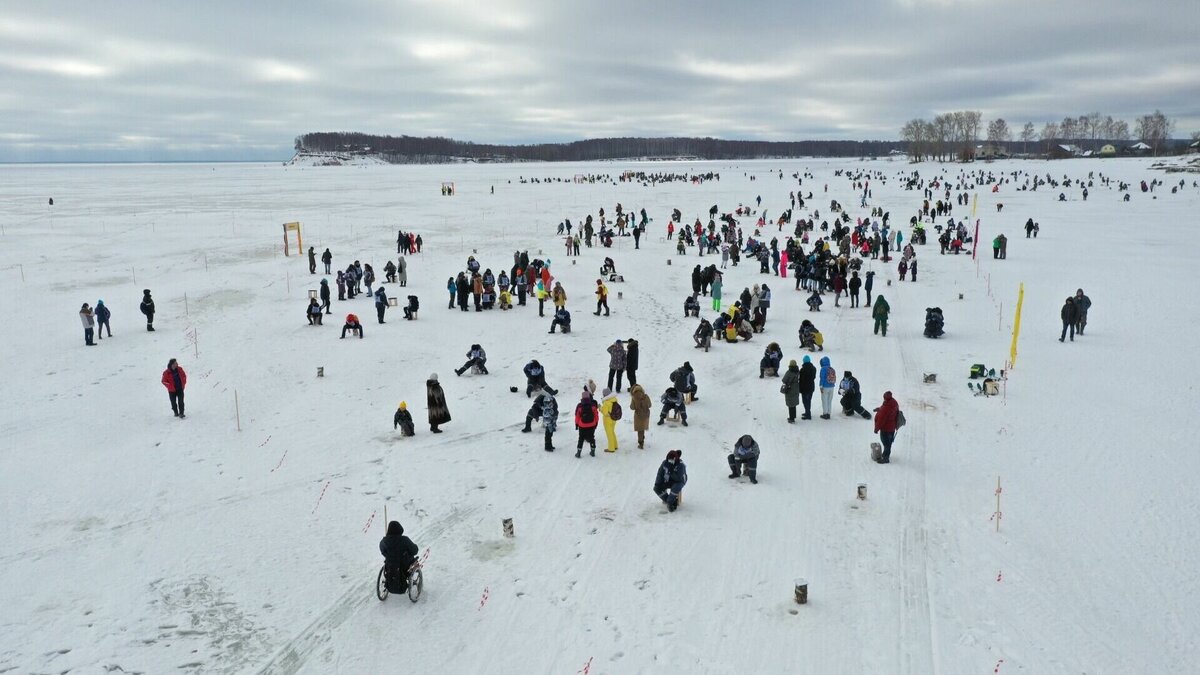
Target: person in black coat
{"x":147,"y":308}
{"x":1070,"y":316}
{"x":435,"y":398}
{"x":325,"y":303}
{"x":631,"y":361}
{"x":312,"y":260}
{"x":808,"y":385}
{"x":399,"y":553}
{"x":854,"y":284}
{"x":535,"y":377}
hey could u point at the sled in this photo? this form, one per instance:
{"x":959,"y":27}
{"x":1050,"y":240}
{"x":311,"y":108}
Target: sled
{"x":876,"y":452}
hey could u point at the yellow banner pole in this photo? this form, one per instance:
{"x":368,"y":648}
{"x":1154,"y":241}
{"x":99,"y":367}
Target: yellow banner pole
{"x":1012,"y":353}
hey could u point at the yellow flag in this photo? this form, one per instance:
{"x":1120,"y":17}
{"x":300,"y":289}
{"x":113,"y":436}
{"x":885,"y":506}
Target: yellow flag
{"x":1012,"y":353}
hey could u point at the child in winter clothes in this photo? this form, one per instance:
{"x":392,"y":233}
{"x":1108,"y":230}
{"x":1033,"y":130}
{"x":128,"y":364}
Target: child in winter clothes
{"x":587,"y":416}
{"x":828,"y":383}
{"x":610,"y":425}
{"x":670,"y":479}
{"x":403,"y":420}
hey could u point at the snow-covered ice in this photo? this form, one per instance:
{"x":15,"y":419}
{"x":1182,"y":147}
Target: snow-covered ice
{"x":137,"y":542}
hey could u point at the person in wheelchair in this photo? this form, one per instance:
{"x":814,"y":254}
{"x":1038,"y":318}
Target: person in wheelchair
{"x":399,"y":553}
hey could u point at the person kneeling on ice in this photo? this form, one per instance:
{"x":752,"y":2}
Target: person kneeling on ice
{"x":745,"y":452}
{"x":672,"y":400}
{"x":535,"y":377}
{"x":544,"y":408}
{"x":670,"y":479}
{"x":851,"y":396}
{"x":587,"y":416}
{"x":814,"y":302}
{"x":561,"y":318}
{"x":403,"y":420}
{"x":772,"y":357}
{"x":691,"y":307}
{"x":399,"y":554}
{"x":352,"y":325}
{"x":475,"y":357}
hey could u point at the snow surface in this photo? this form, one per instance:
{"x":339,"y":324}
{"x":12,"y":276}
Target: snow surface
{"x":136,"y":542}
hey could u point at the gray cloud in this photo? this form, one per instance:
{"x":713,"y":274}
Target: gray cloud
{"x":232,"y":80}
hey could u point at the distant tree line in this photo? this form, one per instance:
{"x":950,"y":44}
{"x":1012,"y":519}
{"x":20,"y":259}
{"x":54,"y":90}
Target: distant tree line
{"x":953,"y":135}
{"x":411,"y":149}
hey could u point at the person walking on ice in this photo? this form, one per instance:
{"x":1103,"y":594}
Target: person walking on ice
{"x":888,"y":419}
{"x":880,"y":314}
{"x":175,"y":379}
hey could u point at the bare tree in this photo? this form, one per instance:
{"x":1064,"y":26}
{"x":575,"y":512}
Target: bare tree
{"x":1094,"y":123}
{"x":913,"y":133}
{"x":998,"y":131}
{"x":943,"y":126}
{"x":1028,"y":133}
{"x":1154,"y":129}
{"x":1119,"y":130}
{"x":1049,"y":134}
{"x":1067,"y":130}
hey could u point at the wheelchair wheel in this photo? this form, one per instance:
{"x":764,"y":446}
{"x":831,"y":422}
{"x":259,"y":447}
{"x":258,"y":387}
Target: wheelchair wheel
{"x":381,"y":590}
{"x":416,"y":581}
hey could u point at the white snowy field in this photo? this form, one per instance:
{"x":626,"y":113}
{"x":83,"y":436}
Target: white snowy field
{"x":136,"y":542}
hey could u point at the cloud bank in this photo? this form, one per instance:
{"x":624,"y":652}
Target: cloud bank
{"x":231,"y":80}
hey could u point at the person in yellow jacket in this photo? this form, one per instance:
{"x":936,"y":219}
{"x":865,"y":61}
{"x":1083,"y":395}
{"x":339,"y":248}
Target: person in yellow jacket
{"x":542,"y":294}
{"x":601,"y":298}
{"x":606,"y":412}
{"x":560,"y":296}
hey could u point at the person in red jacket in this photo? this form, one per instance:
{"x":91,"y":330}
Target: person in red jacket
{"x":886,"y":424}
{"x":174,"y":379}
{"x":587,"y":416}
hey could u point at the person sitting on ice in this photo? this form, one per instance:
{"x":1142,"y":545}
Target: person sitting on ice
{"x":703,"y":334}
{"x":673,"y":400}
{"x":403,"y":420}
{"x":814,"y":302}
{"x":561,"y":318}
{"x":691,"y":307}
{"x":410,"y":310}
{"x":745,"y":454}
{"x":772,"y":357}
{"x":352,"y":325}
{"x":670,"y":479}
{"x":476,"y":358}
{"x":399,"y":554}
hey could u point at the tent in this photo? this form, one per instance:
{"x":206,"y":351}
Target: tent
{"x":1108,"y":151}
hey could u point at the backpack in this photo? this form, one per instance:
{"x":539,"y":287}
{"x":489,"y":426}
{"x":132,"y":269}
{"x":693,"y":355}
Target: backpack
{"x":616,"y":412}
{"x":978,"y":370}
{"x":900,"y":421}
{"x":587,"y":414}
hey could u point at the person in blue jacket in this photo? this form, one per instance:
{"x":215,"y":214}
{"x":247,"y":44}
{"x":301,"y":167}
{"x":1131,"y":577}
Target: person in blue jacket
{"x":561,"y":318}
{"x":453,"y":289}
{"x":827,"y":380}
{"x":670,"y":479}
{"x":381,"y":302}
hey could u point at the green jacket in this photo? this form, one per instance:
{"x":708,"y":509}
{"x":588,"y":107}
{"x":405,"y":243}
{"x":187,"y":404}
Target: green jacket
{"x":881,"y":308}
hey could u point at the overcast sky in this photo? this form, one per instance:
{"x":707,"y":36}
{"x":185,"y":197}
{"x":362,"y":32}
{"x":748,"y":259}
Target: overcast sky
{"x":132,"y":80}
